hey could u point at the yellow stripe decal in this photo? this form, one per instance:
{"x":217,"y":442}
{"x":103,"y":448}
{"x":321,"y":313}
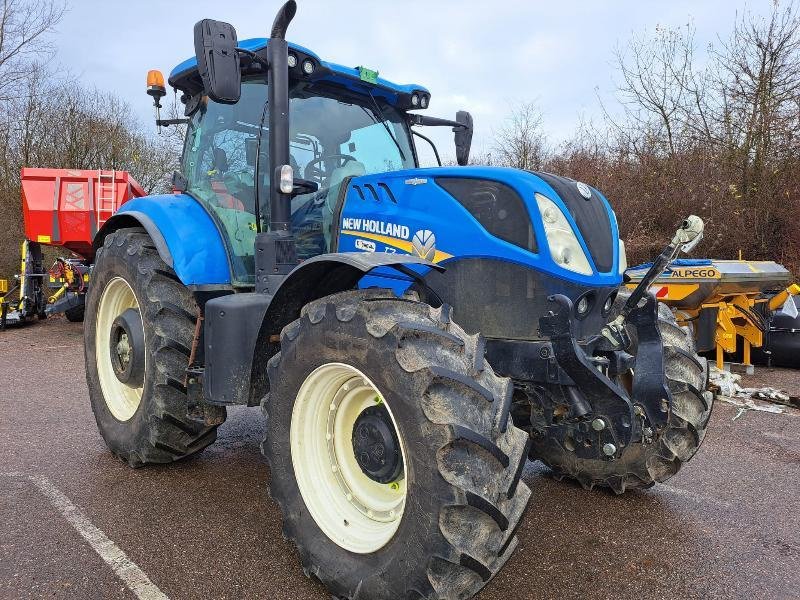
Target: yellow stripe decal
{"x":403,"y":245}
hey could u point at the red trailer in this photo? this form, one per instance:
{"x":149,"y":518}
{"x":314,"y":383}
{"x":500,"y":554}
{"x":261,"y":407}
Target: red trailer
{"x":66,"y":207}
{"x":62,"y":207}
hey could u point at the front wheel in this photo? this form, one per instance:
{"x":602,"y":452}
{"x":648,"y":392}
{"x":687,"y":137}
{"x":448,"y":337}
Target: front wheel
{"x":391,"y":451}
{"x":659,"y":456}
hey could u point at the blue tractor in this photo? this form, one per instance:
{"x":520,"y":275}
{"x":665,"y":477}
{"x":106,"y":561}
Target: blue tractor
{"x":414,"y":336}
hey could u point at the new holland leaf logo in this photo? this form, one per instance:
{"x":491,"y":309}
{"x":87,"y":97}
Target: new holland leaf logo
{"x":424,"y":244}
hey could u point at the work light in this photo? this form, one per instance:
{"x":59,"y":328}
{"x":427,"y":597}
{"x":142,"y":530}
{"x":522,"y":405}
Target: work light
{"x":287,"y":179}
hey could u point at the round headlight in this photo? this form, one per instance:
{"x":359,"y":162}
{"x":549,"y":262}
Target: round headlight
{"x":550,"y":215}
{"x":609,"y":303}
{"x":415,"y":100}
{"x":292,"y":60}
{"x":308,"y":67}
{"x":424,"y":102}
{"x":583,"y":306}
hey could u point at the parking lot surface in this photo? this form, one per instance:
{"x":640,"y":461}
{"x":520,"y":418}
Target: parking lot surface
{"x":727,"y":526}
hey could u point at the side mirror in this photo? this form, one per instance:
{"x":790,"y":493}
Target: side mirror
{"x":218,"y":61}
{"x":463,"y":137}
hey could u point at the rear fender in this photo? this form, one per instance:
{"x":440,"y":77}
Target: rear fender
{"x":186,"y":237}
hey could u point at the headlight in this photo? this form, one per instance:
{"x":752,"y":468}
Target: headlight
{"x":623,"y":258}
{"x":564,"y":245}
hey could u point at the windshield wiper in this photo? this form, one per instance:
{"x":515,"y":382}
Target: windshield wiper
{"x":385,"y":124}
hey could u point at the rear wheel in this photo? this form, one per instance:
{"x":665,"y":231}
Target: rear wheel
{"x":391,"y":451}
{"x":661,"y":454}
{"x":140,"y":322}
{"x":75,"y":314}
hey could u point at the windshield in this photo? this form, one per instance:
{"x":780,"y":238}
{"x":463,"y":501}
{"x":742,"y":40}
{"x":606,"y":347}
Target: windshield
{"x":331,"y":140}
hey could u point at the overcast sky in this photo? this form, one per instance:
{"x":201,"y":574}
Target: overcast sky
{"x":479,"y":56}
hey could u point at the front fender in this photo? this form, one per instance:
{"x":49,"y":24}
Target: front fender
{"x":315,"y":278}
{"x":186,"y":237}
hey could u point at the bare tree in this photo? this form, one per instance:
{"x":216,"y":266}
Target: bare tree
{"x":521,"y":142}
{"x":759,"y":82}
{"x":24,"y":39}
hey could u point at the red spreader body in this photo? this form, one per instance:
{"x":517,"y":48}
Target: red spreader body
{"x":66,"y":207}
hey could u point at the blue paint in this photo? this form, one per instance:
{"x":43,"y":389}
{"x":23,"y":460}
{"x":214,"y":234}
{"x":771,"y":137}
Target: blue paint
{"x":347,"y":76}
{"x":429,"y":206}
{"x":198,"y":251}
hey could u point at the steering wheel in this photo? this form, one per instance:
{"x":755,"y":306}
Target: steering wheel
{"x":314,"y":168}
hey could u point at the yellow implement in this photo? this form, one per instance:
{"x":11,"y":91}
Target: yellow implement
{"x":723,"y":300}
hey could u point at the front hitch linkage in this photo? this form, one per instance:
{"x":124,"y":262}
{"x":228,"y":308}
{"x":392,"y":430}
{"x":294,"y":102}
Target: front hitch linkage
{"x":685,"y":239}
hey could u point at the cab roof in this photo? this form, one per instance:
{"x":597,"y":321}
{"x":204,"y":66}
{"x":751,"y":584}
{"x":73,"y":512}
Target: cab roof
{"x":186,"y":78}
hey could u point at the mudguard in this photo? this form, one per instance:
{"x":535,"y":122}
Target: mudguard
{"x":241,"y":330}
{"x":186,"y":237}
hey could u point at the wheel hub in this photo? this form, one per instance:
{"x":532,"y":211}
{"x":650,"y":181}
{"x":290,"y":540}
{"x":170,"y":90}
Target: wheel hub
{"x":126,"y":347}
{"x":343,"y":449}
{"x":375,"y":445}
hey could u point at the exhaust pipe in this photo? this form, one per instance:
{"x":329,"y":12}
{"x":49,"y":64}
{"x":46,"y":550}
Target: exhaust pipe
{"x":278,"y":84}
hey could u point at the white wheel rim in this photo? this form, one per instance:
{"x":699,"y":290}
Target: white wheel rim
{"x":354,"y":511}
{"x":122,"y":400}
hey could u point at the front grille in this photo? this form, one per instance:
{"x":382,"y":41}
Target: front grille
{"x":504,"y":300}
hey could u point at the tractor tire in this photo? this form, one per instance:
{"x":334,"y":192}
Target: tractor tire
{"x":451,"y":523}
{"x":146,"y":420}
{"x":642,"y":465}
{"x":75,"y":314}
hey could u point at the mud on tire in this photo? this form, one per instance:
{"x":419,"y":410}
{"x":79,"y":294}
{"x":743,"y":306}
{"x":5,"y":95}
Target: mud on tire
{"x":644,"y":464}
{"x":464,"y":457}
{"x":164,"y":427}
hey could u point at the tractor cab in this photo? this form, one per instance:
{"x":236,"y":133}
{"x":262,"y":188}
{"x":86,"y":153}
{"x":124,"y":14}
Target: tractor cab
{"x":343,"y":122}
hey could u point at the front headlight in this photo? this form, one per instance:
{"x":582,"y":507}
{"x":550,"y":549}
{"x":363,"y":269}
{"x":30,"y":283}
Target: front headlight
{"x":623,"y":258}
{"x":564,"y":245}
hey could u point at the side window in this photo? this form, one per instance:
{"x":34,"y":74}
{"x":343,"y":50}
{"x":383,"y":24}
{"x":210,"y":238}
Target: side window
{"x":219,"y":164}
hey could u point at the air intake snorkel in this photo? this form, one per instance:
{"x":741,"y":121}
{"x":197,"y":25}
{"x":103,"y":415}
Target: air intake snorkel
{"x":278,"y":86}
{"x":276,"y":255}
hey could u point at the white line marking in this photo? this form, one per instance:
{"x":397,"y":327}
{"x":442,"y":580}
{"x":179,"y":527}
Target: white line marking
{"x":699,"y":498}
{"x":128,"y":571}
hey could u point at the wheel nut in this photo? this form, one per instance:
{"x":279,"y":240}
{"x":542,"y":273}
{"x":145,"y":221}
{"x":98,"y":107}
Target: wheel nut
{"x":598,"y":424}
{"x":609,"y":449}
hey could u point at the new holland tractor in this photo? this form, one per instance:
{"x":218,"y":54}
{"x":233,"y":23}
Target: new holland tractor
{"x":413,"y":335}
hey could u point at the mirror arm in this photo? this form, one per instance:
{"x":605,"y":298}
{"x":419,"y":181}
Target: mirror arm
{"x":256,"y":58}
{"x":427,"y":121}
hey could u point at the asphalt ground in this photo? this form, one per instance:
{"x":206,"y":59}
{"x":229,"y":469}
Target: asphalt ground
{"x":727,"y":526}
